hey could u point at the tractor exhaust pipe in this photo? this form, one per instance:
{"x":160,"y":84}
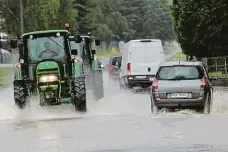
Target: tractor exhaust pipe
{"x":64,"y":69}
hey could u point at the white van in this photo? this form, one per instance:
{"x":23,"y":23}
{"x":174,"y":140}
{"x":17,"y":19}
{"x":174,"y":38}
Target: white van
{"x":140,"y":62}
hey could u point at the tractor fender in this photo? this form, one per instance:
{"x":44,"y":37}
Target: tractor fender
{"x":17,"y":72}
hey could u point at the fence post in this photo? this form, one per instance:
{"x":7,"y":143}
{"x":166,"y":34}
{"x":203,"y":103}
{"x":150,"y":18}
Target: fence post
{"x":216,"y":66}
{"x":206,"y":60}
{"x":225,"y":67}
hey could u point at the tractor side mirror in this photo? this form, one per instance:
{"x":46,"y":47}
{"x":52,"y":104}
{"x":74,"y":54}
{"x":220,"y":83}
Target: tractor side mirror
{"x":97,"y":42}
{"x":78,"y":38}
{"x":74,"y":52}
{"x":13,"y":44}
{"x":93,"y":52}
{"x":21,"y":50}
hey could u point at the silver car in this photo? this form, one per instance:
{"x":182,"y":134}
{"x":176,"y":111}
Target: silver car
{"x":182,"y":85}
{"x":114,"y":65}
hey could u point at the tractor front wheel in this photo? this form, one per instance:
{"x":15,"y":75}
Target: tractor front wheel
{"x":20,"y":95}
{"x":79,"y":94}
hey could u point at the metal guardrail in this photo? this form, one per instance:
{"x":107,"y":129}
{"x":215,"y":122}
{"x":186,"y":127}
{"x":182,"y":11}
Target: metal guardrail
{"x":6,"y":65}
{"x":5,"y":58}
{"x":217,"y":66}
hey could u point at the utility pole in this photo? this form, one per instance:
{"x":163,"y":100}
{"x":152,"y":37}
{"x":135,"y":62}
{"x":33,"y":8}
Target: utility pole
{"x":21,"y":17}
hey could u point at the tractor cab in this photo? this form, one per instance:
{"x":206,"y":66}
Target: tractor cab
{"x":82,"y":45}
{"x":44,"y":47}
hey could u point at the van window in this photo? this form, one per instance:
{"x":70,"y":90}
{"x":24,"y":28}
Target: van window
{"x":180,"y":73}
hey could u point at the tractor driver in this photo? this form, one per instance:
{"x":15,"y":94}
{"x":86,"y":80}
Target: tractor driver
{"x":47,"y":53}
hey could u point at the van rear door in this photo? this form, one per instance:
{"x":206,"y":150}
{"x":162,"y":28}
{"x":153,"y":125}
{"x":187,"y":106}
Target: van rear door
{"x":138,"y":58}
{"x":154,"y":56}
{"x":145,"y":57}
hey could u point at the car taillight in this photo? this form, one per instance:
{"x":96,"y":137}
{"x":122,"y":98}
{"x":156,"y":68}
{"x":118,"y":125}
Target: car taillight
{"x":203,"y":83}
{"x":110,"y":68}
{"x":155,"y":83}
{"x":155,"y":87}
{"x":129,"y":67}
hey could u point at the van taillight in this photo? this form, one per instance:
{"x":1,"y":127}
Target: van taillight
{"x":155,"y":83}
{"x":203,"y":82}
{"x":129,"y":67}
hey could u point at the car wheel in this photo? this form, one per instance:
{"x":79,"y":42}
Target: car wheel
{"x":207,"y":105}
{"x":154,"y":108}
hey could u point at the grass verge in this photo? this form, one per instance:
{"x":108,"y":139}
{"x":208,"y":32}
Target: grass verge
{"x":177,"y":57}
{"x":102,"y":54}
{"x":6,"y":76}
{"x":218,"y":74}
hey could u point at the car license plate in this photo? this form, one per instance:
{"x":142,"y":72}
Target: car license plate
{"x":151,"y":79}
{"x":177,"y":95}
{"x":140,"y":77}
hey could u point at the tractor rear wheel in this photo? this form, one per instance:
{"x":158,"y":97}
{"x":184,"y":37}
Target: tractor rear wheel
{"x":79,"y":94}
{"x":20,"y":95}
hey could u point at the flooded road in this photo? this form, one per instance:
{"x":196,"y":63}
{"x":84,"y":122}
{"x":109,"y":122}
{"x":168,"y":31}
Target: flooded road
{"x":119,"y":122}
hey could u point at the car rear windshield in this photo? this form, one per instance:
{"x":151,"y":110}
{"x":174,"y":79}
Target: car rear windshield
{"x":180,"y":73}
{"x":116,"y":59}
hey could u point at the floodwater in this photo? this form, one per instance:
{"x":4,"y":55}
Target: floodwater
{"x":119,"y":122}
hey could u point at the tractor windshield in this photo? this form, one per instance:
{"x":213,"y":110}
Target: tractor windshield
{"x":46,"y":48}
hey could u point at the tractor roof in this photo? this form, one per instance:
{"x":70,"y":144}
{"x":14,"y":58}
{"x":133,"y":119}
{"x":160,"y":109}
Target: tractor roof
{"x":45,"y":32}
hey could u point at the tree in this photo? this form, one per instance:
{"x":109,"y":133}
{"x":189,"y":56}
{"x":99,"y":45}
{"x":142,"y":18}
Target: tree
{"x":10,"y":14}
{"x":105,"y":21}
{"x":49,"y":14}
{"x":38,"y":15}
{"x":82,"y":7}
{"x":201,"y":27}
{"x":149,"y":19}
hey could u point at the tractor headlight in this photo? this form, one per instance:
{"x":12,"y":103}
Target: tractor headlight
{"x":48,"y":78}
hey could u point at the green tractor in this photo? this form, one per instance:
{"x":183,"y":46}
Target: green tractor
{"x":84,"y":45}
{"x":50,"y":68}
